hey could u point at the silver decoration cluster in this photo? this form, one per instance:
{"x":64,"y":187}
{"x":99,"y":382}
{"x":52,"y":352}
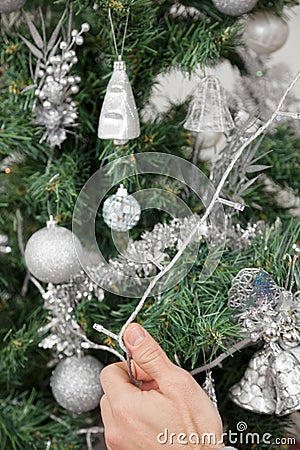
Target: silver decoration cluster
{"x":208,"y":111}
{"x":121,"y":211}
{"x":119,"y":118}
{"x":60,"y":302}
{"x":75,"y":383}
{"x":152,"y":247}
{"x":54,"y":107}
{"x":8,"y":6}
{"x":234,"y":7}
{"x":267,"y":312}
{"x":51,"y":254}
{"x":142,"y":257}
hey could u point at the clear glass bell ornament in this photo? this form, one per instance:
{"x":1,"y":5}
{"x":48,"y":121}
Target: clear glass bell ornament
{"x":208,"y":110}
{"x":119,"y":118}
{"x":121,"y":211}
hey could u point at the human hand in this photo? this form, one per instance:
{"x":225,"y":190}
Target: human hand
{"x":169,"y":401}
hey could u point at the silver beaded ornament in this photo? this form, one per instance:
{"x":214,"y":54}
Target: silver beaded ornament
{"x":51,"y":254}
{"x":75,"y":383}
{"x":121,"y":211}
{"x":119,"y":119}
{"x":234,"y":7}
{"x":267,"y":312}
{"x":54,"y":107}
{"x":8,"y":6}
{"x":208,"y":111}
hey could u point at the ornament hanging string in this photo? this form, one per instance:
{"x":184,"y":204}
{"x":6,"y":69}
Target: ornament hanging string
{"x":50,"y":182}
{"x":119,"y":55}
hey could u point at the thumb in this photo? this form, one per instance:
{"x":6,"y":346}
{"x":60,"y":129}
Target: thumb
{"x":146,"y":353}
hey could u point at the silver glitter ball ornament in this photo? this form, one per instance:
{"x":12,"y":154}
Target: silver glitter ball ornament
{"x":234,"y":7}
{"x":8,"y":6}
{"x":121,"y":211}
{"x":75,"y":383}
{"x":265,"y":33}
{"x":119,"y":119}
{"x":51,"y":254}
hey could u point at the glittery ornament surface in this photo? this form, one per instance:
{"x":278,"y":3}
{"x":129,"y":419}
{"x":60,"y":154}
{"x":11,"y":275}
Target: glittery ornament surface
{"x":75,"y":383}
{"x":7,"y":6}
{"x":121,"y":211}
{"x":265,"y":32}
{"x":271,"y":383}
{"x":234,"y":7}
{"x":119,"y":118}
{"x":50,"y":254}
{"x":208,"y":111}
{"x":253,"y":287}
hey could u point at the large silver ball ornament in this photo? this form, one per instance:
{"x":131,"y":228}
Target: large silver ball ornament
{"x":265,"y":33}
{"x":234,"y":7}
{"x":8,"y":6}
{"x":75,"y":383}
{"x":51,"y":254}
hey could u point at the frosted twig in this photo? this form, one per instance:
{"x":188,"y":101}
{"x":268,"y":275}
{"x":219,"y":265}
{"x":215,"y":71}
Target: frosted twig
{"x":89,"y":344}
{"x":236,"y":347}
{"x":214,"y":199}
{"x":101,"y":329}
{"x":292,"y":115}
{"x":88,"y":432}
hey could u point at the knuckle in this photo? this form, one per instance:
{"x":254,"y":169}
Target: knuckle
{"x":182,"y":382}
{"x":120,"y":410}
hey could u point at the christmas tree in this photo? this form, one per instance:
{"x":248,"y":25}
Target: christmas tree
{"x":203,"y":253}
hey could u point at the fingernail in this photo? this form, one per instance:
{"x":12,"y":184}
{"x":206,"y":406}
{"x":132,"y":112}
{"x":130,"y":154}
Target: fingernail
{"x":135,"y":335}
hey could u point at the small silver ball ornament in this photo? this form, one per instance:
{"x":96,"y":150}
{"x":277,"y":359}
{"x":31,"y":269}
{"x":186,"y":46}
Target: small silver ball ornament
{"x":51,"y":254}
{"x":265,"y":32}
{"x":75,"y":383}
{"x":8,"y":6}
{"x":234,"y":7}
{"x":121,"y":211}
